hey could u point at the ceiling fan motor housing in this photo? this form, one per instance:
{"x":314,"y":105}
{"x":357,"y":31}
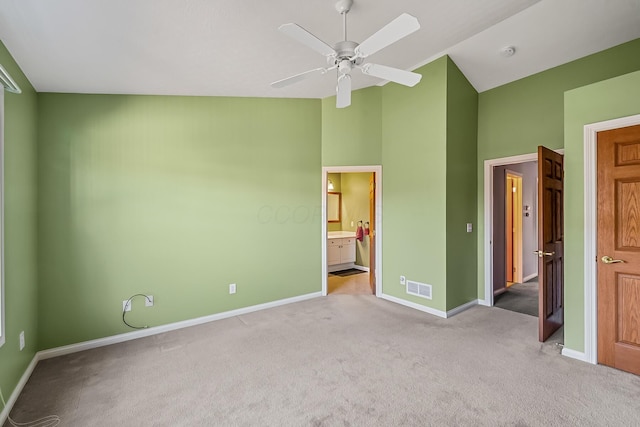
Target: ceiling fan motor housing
{"x":345,"y":57}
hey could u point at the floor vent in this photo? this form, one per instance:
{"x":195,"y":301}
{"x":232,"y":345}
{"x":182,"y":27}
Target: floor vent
{"x":419,"y":289}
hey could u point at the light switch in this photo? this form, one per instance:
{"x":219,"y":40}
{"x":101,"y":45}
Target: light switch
{"x":469,"y":227}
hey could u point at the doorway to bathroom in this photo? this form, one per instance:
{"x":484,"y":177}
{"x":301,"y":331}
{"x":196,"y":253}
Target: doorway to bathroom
{"x":351,"y":230}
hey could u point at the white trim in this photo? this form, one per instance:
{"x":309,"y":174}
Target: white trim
{"x":488,"y":215}
{"x":591,"y":232}
{"x":7,"y":82}
{"x":340,"y":267}
{"x":415,"y":306}
{"x":347,"y":266}
{"x":575,"y":355}
{"x":18,"y":389}
{"x":115,"y":339}
{"x":459,"y":309}
{"x":377,"y":169}
{"x":429,"y":310}
{"x":529,"y":277}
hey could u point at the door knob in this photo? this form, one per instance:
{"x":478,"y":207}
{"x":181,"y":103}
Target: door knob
{"x":609,"y":260}
{"x":542,"y":253}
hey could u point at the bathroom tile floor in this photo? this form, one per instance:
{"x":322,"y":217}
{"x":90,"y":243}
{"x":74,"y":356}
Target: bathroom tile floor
{"x":355,"y":284}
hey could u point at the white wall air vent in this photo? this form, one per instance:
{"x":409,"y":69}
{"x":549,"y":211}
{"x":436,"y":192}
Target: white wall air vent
{"x":419,"y":289}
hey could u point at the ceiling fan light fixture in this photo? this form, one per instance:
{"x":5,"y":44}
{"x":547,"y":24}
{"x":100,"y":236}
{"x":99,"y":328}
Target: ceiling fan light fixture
{"x":347,"y":54}
{"x":345,"y":66}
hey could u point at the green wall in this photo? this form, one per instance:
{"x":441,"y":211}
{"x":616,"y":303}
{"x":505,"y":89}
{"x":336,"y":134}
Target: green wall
{"x":428,"y":156}
{"x":414,"y":153}
{"x":180,"y":196}
{"x":462,"y":131}
{"x":610,"y":99}
{"x":176,"y":197}
{"x":20,"y":238}
{"x":352,"y":136}
{"x":515,"y":118}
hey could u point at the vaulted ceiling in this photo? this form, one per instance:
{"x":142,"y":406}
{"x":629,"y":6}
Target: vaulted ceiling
{"x":234,"y":48}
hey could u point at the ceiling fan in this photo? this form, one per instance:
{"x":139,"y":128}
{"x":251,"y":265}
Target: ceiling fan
{"x":347,"y":55}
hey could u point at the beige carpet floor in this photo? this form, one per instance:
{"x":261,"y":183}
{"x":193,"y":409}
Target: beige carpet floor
{"x":342,"y":360}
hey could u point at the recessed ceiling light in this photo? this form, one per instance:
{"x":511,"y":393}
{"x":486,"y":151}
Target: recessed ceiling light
{"x":508,"y":51}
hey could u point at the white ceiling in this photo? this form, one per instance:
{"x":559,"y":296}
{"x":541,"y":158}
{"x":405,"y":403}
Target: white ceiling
{"x":233,"y":47}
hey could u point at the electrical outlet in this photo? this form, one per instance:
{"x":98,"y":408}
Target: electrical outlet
{"x":232,"y":288}
{"x":126,"y":305}
{"x":469,"y":227}
{"x":148,"y":301}
{"x":21,"y":340}
{"x":403,"y":280}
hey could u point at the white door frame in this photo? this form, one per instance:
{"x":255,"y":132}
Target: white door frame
{"x":488,"y":215}
{"x":377,"y":169}
{"x":591,"y":234}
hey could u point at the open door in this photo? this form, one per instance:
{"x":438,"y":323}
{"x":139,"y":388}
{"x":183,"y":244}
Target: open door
{"x":513,"y":229}
{"x":372,"y":232}
{"x":508,"y":229}
{"x":618,"y":158}
{"x":550,"y":242}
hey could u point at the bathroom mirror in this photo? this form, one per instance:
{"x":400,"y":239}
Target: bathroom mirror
{"x":334,"y":201}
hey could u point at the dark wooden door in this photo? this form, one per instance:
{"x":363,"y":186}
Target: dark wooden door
{"x":550,"y":242}
{"x":619,"y":248}
{"x":372,"y":232}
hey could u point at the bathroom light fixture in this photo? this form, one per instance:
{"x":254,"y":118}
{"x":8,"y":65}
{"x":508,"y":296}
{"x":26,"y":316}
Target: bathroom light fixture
{"x":7,"y":82}
{"x":330,"y":186}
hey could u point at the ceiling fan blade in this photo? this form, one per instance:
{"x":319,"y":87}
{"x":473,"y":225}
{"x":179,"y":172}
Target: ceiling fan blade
{"x":343,"y":91}
{"x":297,"y":78}
{"x":396,"y":75}
{"x":298,"y":33}
{"x":395,"y":30}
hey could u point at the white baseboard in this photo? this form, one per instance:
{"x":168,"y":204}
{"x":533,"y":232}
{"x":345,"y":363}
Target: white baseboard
{"x":461,"y":308}
{"x":18,"y":389}
{"x":484,"y":303}
{"x":529,"y":277}
{"x":578,"y":355}
{"x":115,"y":339}
{"x":101,"y":342}
{"x":361,"y":267}
{"x":340,"y":267}
{"x":414,"y":305}
{"x":439,"y":313}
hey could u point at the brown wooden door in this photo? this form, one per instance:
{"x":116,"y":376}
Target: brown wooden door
{"x":372,"y":232}
{"x":509,"y":228}
{"x":619,"y":239}
{"x":550,"y":242}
